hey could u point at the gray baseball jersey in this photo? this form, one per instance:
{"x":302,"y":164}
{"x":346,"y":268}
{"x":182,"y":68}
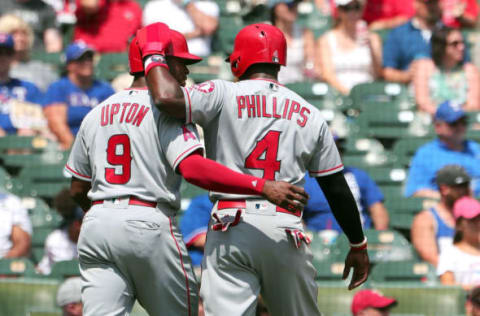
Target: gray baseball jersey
{"x":130,"y":148}
{"x":260,"y":128}
{"x":129,"y":246}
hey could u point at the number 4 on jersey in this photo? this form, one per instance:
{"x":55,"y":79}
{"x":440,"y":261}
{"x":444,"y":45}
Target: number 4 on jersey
{"x":264,"y":155}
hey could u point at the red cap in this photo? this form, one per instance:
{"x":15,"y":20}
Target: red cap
{"x":466,"y":207}
{"x":369,"y":298}
{"x":180,"y":48}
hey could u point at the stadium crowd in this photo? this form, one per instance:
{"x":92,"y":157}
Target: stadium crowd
{"x":397,"y":80}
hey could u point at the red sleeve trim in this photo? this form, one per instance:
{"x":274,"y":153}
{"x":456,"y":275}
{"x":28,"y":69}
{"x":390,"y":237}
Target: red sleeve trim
{"x":194,"y":238}
{"x":327,"y":170}
{"x":186,"y":152}
{"x":77,"y":173}
{"x":189,"y":120}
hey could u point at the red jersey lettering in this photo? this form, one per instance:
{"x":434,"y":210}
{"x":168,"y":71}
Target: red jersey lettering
{"x":251,"y":106}
{"x":140,"y":115}
{"x":124,"y":106}
{"x":285,"y":109}
{"x":187,"y":134}
{"x":294,"y":108}
{"x":131,"y":113}
{"x":275,"y":114}
{"x":104,"y":117}
{"x":113,"y":111}
{"x":264,"y":107}
{"x":304,"y":116}
{"x":241,"y":105}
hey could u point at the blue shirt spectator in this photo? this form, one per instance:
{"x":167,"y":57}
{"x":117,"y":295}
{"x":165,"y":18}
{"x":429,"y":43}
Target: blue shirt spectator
{"x":194,"y":225}
{"x":450,"y":147}
{"x":433,"y":156}
{"x":318,"y":215}
{"x":79,"y":101}
{"x":19,"y":90}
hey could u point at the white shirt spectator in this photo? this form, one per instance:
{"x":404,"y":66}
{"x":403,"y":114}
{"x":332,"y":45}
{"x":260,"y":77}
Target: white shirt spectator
{"x":12,"y":213}
{"x":58,"y":247}
{"x":293,"y":72}
{"x":175,"y":16}
{"x":465,"y":267}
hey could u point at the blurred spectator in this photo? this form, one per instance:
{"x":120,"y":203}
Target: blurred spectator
{"x":41,"y":18}
{"x":15,"y":228}
{"x":446,"y":76}
{"x":472,"y":305}
{"x":18,"y":98}
{"x":460,"y":264}
{"x":61,"y":244}
{"x":196,"y":20}
{"x":69,"y":99}
{"x":300,"y":43}
{"x":371,"y":303}
{"x":349,"y":54}
{"x":318,"y":215}
{"x":65,"y":10}
{"x":450,"y":147}
{"x":194,"y":226}
{"x":406,"y":43}
{"x":386,"y":14}
{"x":459,"y":13}
{"x":69,"y":297}
{"x":107,"y":25}
{"x":433,"y":229}
{"x":37,"y":72}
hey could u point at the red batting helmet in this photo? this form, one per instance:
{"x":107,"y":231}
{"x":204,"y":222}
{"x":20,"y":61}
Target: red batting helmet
{"x":180,"y":48}
{"x":257,"y":43}
{"x":135,"y":62}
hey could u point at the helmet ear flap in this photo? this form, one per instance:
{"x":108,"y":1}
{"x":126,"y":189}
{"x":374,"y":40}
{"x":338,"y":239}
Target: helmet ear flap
{"x":235,"y":63}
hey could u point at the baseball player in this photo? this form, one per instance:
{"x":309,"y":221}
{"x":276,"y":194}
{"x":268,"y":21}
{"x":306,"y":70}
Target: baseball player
{"x":259,"y":127}
{"x":127,"y":159}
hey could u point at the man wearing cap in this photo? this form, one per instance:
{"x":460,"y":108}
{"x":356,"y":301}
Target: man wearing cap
{"x":472,"y":305}
{"x":69,"y":99}
{"x":433,"y":229}
{"x":69,"y":297}
{"x":372,"y":303}
{"x":13,"y":92}
{"x":450,"y":147}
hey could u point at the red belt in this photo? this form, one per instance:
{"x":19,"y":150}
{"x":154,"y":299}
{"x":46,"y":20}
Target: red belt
{"x":223,"y":204}
{"x":132,"y":201}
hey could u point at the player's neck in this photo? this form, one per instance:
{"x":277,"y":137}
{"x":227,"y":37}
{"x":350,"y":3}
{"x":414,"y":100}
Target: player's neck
{"x":139,"y":82}
{"x":262,"y":75}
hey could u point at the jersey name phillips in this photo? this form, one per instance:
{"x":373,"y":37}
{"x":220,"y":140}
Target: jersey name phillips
{"x":256,"y":106}
{"x":127,"y":112}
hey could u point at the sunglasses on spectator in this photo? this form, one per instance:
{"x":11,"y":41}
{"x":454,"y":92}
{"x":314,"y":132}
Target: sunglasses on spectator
{"x":354,"y":6}
{"x":456,"y":43}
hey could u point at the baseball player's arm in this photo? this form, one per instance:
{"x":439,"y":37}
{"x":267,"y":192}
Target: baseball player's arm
{"x":21,"y":241}
{"x":78,"y":191}
{"x":213,"y":176}
{"x":345,"y":210}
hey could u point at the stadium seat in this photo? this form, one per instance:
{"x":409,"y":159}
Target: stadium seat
{"x":404,"y":271}
{"x":188,"y":190}
{"x":329,"y":270}
{"x":39,"y":235}
{"x":16,"y":267}
{"x":321,"y":95}
{"x":56,"y":60}
{"x":392,"y":96}
{"x":65,"y":269}
{"x":207,"y":69}
{"x":40,"y":213}
{"x":111,"y":65}
{"x":405,"y":148}
{"x":410,"y":205}
{"x":387,"y":176}
{"x":227,"y":30}
{"x":370,"y":159}
{"x":310,"y":17}
{"x":44,"y":181}
{"x":386,"y":245}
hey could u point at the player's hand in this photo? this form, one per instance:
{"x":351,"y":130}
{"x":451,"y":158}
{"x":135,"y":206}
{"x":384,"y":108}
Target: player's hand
{"x":358,"y":260}
{"x":154,"y":39}
{"x":285,"y":195}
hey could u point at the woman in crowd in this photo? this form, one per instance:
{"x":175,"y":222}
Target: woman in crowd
{"x":446,"y":76}
{"x":37,"y":72}
{"x":300,"y":43}
{"x":349,"y":54}
{"x":460,"y":264}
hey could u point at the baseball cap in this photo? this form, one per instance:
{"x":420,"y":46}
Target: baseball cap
{"x":70,"y":291}
{"x":466,"y":207}
{"x":369,"y":298}
{"x":452,"y":175}
{"x":180,"y":48}
{"x":6,"y":40}
{"x":449,"y":112}
{"x":76,"y":50}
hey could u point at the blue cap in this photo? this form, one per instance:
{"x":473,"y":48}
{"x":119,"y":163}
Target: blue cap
{"x":75,"y":50}
{"x":6,"y":40}
{"x":449,"y":112}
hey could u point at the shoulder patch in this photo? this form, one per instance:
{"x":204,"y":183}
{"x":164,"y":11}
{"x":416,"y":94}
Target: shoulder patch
{"x":205,"y":87}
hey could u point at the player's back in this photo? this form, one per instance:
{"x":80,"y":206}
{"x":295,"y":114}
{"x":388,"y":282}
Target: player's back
{"x":127,"y":141}
{"x":262,"y":128}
